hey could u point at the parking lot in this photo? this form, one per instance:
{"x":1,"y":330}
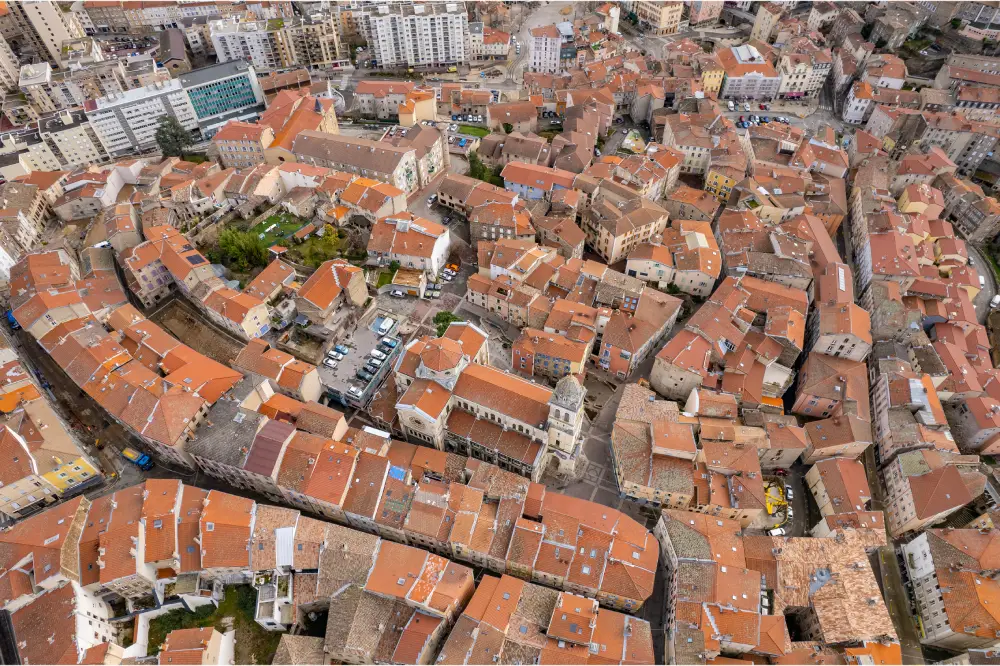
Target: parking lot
{"x":339,"y":381}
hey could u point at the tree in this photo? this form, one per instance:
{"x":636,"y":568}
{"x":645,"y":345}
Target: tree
{"x":393,"y":266}
{"x":443,"y":320}
{"x":508,"y":128}
{"x":171,"y":137}
{"x":241,"y":250}
{"x":477,"y":169}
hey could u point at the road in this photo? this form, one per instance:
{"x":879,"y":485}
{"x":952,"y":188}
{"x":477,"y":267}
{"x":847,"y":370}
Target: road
{"x":885,"y":565}
{"x":982,"y":265}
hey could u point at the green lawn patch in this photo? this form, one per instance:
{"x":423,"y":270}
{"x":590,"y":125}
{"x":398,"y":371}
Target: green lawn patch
{"x":317,"y":249}
{"x":195,"y":158}
{"x":384,"y":278}
{"x":472,"y":130}
{"x":254,"y":644}
{"x":286,"y":224}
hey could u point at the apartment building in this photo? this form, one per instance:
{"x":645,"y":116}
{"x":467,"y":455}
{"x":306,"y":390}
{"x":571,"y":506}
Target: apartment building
{"x":254,"y":41}
{"x":766,"y":21}
{"x":487,"y":43}
{"x":412,"y":241}
{"x":312,"y":41}
{"x":369,"y":159}
{"x":748,"y":74}
{"x":803,"y":73}
{"x":452,"y":402}
{"x":662,"y":18}
{"x":127,"y":122}
{"x":704,"y":11}
{"x":923,"y":488}
{"x":546,"y":42}
{"x":48,"y":463}
{"x":549,"y":355}
{"x":72,"y":139}
{"x":49,"y":90}
{"x":947,"y":572}
{"x":241,"y":145}
{"x":410,"y":34}
{"x":614,"y":230}
{"x":41,"y":29}
{"x":382,"y":99}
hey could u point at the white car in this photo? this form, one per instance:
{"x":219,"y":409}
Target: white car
{"x":335,"y":355}
{"x":377,"y":354}
{"x":789,"y":494}
{"x":396,"y":293}
{"x":778,"y":531}
{"x":329,"y":362}
{"x":746,"y":106}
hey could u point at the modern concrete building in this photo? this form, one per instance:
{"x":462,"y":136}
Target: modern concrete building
{"x":128,"y":122}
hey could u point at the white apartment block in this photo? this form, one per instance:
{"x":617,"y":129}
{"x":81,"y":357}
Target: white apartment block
{"x":71,"y":139}
{"x":9,"y":67}
{"x":409,"y":34}
{"x":127,"y":122}
{"x":256,"y":41}
{"x":45,"y":27}
{"x":33,"y":154}
{"x":545,"y":44}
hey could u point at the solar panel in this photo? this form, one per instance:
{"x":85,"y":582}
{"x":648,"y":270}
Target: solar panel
{"x":195,"y":260}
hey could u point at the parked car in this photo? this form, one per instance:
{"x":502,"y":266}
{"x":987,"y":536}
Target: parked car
{"x":746,"y":106}
{"x":355,"y":391}
{"x":364,"y":376}
{"x":341,"y":349}
{"x":732,"y":107}
{"x":335,"y":355}
{"x":995,"y":302}
{"x":789,"y":494}
{"x":742,"y":118}
{"x":451,"y":267}
{"x":377,"y":354}
{"x":396,"y":293}
{"x":778,"y":531}
{"x":329,"y":362}
{"x":390,"y":342}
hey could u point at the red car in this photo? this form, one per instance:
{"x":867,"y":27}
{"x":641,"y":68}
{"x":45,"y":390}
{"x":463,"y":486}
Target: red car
{"x":763,"y":106}
{"x":781,"y":472}
{"x":741,"y":118}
